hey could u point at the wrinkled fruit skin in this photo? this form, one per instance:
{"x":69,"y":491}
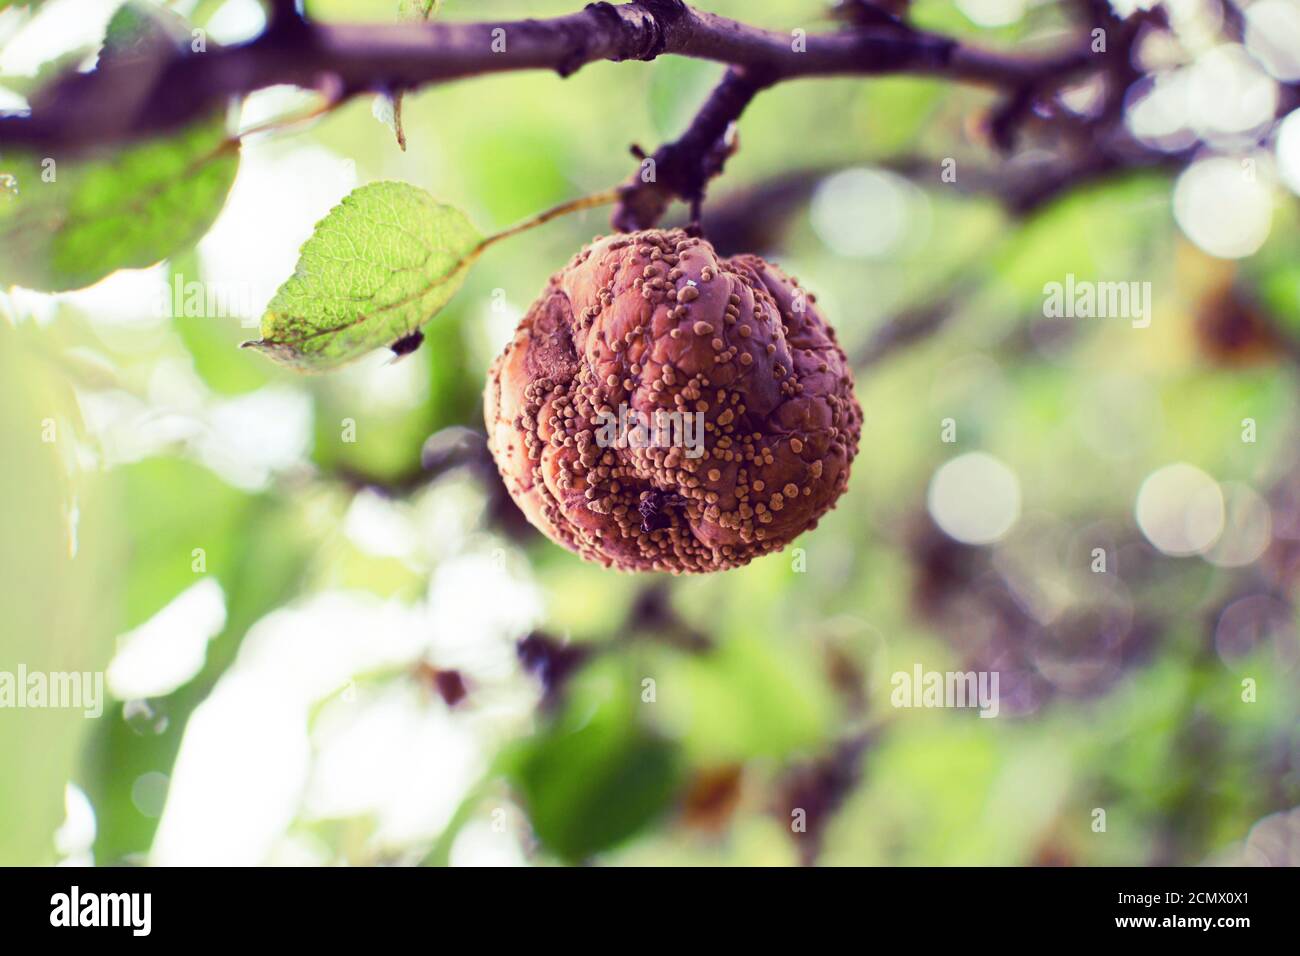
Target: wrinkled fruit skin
{"x":655,"y":320}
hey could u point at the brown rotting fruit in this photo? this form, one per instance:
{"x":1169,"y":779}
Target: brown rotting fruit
{"x":655,"y":321}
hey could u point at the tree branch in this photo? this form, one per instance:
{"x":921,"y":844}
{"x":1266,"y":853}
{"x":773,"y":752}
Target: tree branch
{"x":87,"y":109}
{"x":683,"y":168}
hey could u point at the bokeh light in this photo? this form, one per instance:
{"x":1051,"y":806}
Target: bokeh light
{"x":1180,"y":510}
{"x":992,"y":13}
{"x":1288,"y":150}
{"x":168,"y":649}
{"x":1273,"y":35}
{"x":1247,"y":529}
{"x":1223,"y":207}
{"x":1228,"y":92}
{"x":975,"y":498}
{"x":869,"y":213}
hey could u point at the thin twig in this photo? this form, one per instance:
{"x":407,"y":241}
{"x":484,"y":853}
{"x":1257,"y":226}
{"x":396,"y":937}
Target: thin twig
{"x":563,"y":209}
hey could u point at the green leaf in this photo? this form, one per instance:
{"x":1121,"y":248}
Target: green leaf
{"x":57,"y":598}
{"x":162,"y":529}
{"x":418,"y":9}
{"x":142,"y":30}
{"x":214,"y":346}
{"x":388,"y":110}
{"x":747,"y":699}
{"x":379,"y":266}
{"x":257,"y":552}
{"x":67,"y":224}
{"x":595,"y":776}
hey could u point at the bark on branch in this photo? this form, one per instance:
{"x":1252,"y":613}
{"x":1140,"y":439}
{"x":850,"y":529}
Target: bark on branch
{"x":129,"y":100}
